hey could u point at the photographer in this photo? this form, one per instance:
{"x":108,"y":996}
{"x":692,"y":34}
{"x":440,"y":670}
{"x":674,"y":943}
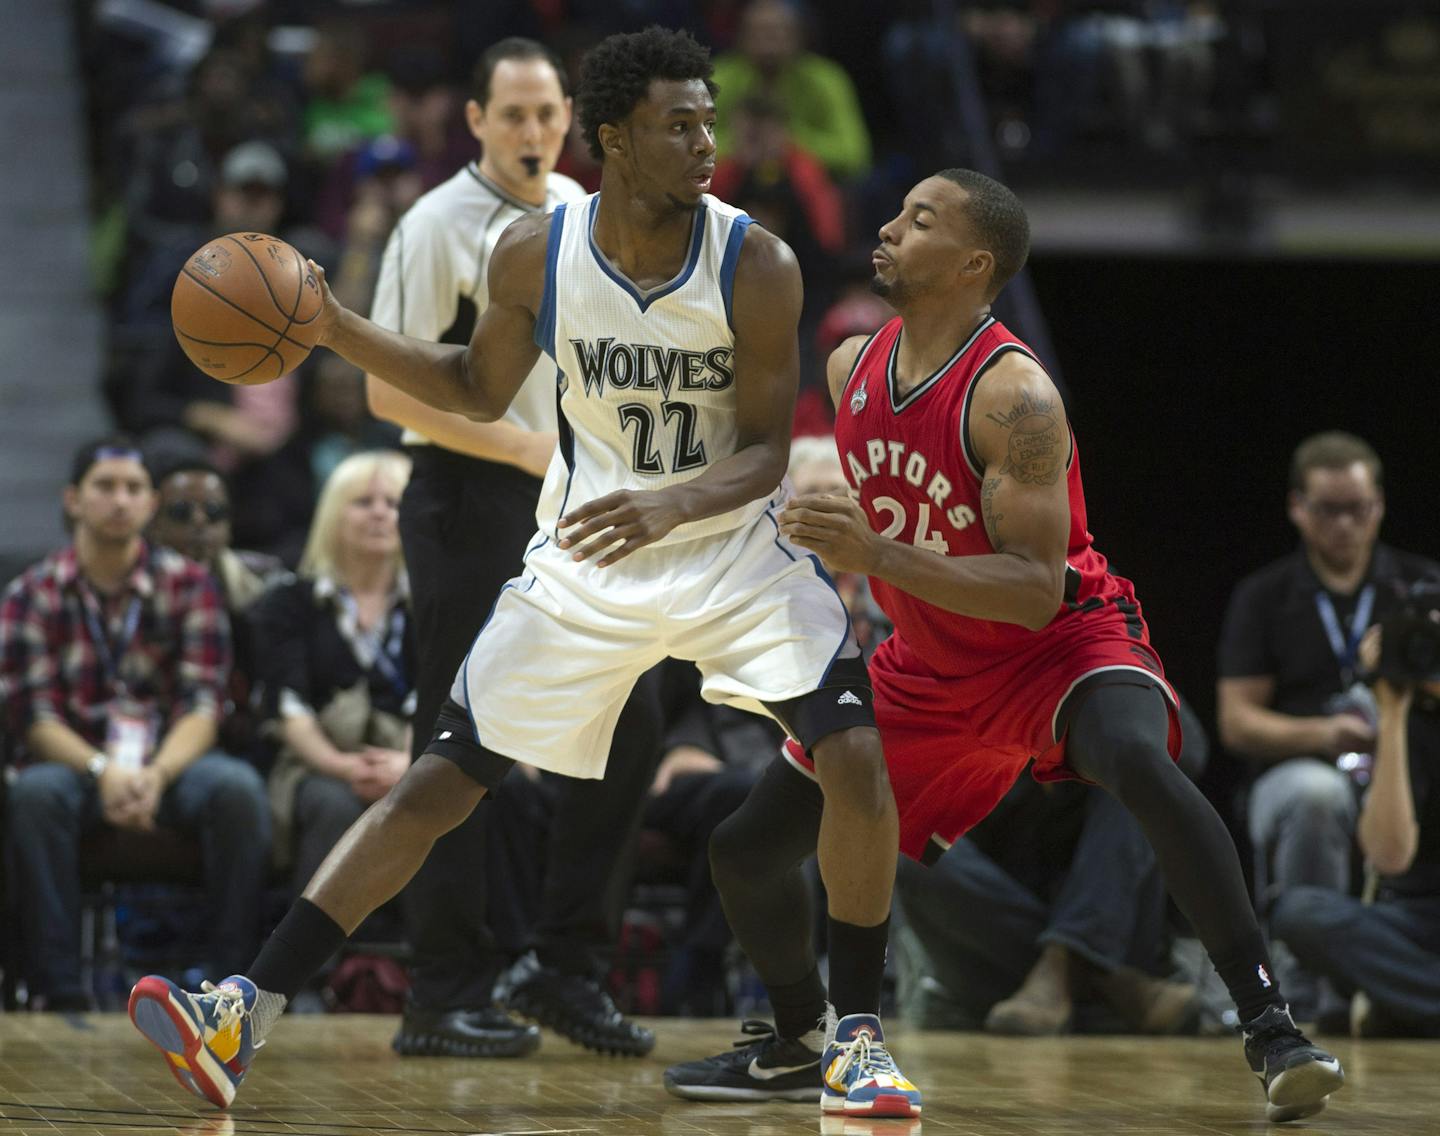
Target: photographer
{"x":1287,"y":698}
{"x":1389,"y":951}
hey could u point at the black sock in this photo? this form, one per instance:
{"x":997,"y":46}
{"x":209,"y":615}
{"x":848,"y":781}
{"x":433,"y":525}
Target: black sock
{"x":857,"y":966}
{"x":799,"y":1006}
{"x":1249,"y":976}
{"x":299,"y":947}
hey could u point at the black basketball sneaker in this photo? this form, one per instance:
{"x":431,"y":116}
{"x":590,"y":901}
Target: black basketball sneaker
{"x":573,"y":1005}
{"x":1298,"y":1077}
{"x":761,"y":1066}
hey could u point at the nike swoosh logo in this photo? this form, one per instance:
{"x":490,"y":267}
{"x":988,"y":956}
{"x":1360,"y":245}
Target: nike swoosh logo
{"x":769,"y":1073}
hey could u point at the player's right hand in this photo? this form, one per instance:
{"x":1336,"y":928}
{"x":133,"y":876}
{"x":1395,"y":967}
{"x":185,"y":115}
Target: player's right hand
{"x":331,"y":309}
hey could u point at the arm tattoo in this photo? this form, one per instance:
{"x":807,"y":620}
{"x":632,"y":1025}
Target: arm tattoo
{"x":987,"y":510}
{"x":1037,"y":444}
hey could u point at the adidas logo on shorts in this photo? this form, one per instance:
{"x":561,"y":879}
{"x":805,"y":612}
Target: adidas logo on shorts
{"x":848,"y":699}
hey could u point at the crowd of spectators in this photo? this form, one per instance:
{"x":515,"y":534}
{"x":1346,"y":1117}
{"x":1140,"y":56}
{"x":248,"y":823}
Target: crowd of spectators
{"x":235,"y":575}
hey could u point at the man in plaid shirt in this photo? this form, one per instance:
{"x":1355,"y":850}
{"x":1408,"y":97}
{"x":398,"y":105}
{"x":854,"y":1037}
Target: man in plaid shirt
{"x":114,"y":657}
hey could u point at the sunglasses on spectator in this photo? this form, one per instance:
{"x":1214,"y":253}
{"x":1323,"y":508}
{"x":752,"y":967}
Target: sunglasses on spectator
{"x":1357,"y":511}
{"x":181,"y":512}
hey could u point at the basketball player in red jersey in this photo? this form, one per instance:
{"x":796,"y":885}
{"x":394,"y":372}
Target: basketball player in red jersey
{"x":1013,"y":641}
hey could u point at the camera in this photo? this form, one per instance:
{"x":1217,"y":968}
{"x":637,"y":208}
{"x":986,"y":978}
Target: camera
{"x":1410,"y":637}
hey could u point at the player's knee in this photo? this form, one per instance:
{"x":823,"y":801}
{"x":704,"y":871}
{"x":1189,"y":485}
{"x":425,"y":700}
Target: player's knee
{"x":733,"y":852}
{"x":433,"y":797}
{"x":851,"y":768}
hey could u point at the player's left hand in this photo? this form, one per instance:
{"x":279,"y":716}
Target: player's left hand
{"x":619,"y":522}
{"x":834,"y":527}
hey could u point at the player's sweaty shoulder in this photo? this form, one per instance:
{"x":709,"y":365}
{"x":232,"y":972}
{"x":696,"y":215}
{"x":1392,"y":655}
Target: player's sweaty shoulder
{"x":517,"y":266}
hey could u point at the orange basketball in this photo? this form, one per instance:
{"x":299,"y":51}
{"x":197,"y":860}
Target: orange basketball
{"x":245,"y":307}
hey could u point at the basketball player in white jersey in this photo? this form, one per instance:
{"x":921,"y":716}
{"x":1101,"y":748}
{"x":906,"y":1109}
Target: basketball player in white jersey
{"x":465,"y":521}
{"x":672,"y":324}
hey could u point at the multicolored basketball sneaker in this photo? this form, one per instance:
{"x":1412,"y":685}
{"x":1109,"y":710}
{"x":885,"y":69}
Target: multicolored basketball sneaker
{"x":861,"y":1078}
{"x":205,"y":1037}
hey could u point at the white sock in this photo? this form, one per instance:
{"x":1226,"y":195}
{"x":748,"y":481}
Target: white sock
{"x":268,"y":1008}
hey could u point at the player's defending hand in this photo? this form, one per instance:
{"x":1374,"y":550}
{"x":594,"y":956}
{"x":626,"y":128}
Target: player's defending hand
{"x":834,"y":527}
{"x":630,"y":518}
{"x":331,"y":309}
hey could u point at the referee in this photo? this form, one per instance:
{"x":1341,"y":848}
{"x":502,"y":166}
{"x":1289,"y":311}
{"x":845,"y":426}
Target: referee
{"x":466,"y":519}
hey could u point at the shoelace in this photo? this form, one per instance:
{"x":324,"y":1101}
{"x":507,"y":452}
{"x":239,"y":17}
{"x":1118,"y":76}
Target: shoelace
{"x":756,"y":1033}
{"x":868,"y":1057}
{"x":229,"y":1005}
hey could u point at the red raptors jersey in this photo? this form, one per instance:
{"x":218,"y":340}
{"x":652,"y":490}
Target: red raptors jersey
{"x":910,"y":462}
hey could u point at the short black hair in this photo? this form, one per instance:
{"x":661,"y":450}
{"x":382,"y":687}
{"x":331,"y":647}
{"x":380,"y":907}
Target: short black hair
{"x":165,"y":470}
{"x":513,"y":47}
{"x":101,"y":449}
{"x":1333,"y":449}
{"x":617,"y":72}
{"x":999,"y":221}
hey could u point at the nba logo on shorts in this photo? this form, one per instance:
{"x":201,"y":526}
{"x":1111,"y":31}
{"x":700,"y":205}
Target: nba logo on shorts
{"x":857,"y":400}
{"x":1264,"y":976}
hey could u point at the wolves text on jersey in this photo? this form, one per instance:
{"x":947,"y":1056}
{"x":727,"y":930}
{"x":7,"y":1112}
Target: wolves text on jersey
{"x":646,"y":367}
{"x":897,"y":460}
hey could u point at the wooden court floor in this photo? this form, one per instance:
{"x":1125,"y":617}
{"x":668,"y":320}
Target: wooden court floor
{"x":336,"y":1076}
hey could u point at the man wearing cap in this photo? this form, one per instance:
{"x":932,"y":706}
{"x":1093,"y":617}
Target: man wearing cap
{"x":113,"y":661}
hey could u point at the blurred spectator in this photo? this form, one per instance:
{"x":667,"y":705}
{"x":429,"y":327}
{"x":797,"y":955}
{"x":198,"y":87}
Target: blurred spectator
{"x":386,"y":185}
{"x":248,"y":196}
{"x":1388,"y":952}
{"x":1289,"y":698}
{"x":425,"y":108}
{"x":713,"y":755}
{"x":346,"y":104}
{"x":1063,"y":923}
{"x":113,"y":662}
{"x":821,"y":107}
{"x":337,"y":421}
{"x":339,"y":663}
{"x":785,"y":189}
{"x":173,"y":150}
{"x":815,"y":468}
{"x":193,"y":518}
{"x":855,"y":310}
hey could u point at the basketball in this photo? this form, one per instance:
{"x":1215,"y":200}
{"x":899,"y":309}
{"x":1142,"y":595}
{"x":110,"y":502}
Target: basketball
{"x":245,"y":308}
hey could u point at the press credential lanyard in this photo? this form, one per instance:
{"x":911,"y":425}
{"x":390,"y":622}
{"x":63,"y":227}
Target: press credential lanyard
{"x":1346,"y":646}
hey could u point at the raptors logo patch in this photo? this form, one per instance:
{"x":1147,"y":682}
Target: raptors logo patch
{"x":857,"y":400}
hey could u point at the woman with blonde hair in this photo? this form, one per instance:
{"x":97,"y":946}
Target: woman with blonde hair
{"x":337,"y":658}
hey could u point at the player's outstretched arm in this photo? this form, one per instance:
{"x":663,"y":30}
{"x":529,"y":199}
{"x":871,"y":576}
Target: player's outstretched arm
{"x":1018,"y":428}
{"x":478,"y":381}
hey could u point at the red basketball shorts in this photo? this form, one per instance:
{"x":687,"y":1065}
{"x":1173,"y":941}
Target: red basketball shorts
{"x":954,"y":746}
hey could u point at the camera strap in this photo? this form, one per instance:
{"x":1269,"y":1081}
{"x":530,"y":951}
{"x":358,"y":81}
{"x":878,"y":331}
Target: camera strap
{"x":1346,"y":645}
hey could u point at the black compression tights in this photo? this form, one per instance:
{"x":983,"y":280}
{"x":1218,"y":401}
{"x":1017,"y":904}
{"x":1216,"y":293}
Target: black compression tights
{"x":1117,"y":739}
{"x":755,"y":859}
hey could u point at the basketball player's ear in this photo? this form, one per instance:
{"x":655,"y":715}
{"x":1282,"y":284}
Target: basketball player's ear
{"x":475,"y":119}
{"x":978,"y":267}
{"x":70,"y":499}
{"x":612,"y":140}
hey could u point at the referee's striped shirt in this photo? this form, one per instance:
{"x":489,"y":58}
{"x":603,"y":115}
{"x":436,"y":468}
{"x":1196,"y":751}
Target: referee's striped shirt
{"x":440,"y":253}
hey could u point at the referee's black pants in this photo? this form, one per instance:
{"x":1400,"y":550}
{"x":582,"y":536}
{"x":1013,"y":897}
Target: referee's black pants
{"x":465,"y":525}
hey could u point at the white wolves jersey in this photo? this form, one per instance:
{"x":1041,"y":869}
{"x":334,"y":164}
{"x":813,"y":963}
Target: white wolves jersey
{"x":647,"y":379}
{"x":440,"y":252}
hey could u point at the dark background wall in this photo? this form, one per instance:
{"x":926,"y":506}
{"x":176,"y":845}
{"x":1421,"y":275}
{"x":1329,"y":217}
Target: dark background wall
{"x":1191,"y":381}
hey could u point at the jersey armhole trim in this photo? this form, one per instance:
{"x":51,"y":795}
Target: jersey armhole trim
{"x":545,"y":318}
{"x":733,"y":243}
{"x":859,"y":358}
{"x":972,"y":458}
